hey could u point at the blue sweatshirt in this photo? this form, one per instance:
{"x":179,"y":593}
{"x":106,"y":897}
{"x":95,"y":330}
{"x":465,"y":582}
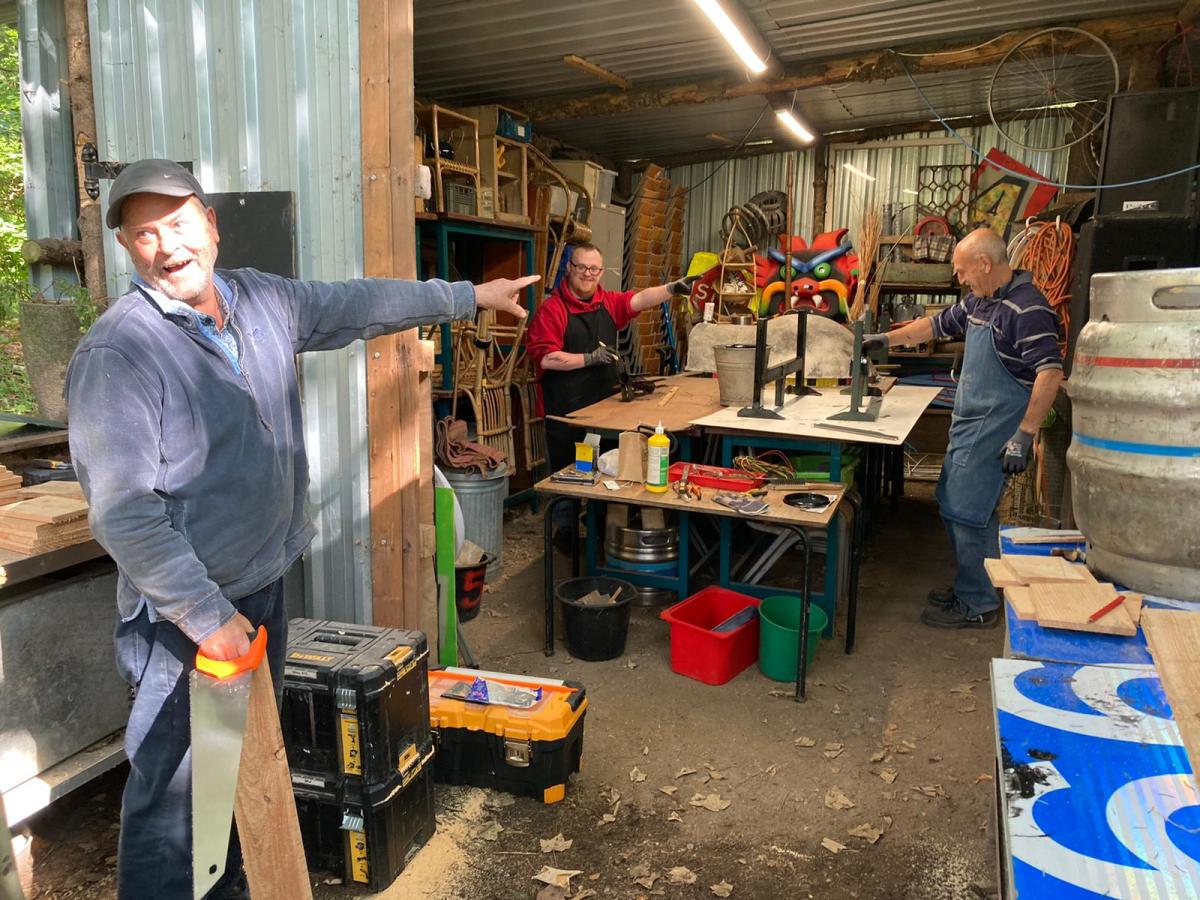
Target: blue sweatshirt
{"x":195,"y":472}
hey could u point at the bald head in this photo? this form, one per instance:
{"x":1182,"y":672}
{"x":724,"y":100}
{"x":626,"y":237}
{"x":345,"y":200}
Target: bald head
{"x":981,"y":262}
{"x":985,"y":242}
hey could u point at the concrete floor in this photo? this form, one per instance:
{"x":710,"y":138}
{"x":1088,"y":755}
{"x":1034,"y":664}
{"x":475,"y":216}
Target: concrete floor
{"x":901,"y":729}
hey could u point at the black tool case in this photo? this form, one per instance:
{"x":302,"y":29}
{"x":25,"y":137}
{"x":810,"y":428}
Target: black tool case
{"x":368,"y":833}
{"x":531,"y":752}
{"x":355,"y":703}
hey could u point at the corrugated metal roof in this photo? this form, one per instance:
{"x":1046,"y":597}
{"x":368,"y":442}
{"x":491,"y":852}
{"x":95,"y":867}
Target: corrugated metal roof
{"x":478,"y":51}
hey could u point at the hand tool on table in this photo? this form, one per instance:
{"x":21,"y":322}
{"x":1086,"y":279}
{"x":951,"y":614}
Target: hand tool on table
{"x":220,"y":697}
{"x":631,"y":385}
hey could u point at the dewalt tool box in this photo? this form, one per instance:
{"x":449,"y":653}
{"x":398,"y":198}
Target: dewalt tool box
{"x":355,"y":702}
{"x":531,"y":752}
{"x":367,"y":836}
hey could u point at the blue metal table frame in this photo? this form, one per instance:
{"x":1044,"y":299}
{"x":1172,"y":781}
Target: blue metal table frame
{"x":679,"y":581}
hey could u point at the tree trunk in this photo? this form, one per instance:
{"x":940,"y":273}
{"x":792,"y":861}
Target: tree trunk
{"x":53,"y":252}
{"x":83,"y":119}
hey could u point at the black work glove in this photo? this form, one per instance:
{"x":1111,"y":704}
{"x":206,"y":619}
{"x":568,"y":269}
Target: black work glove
{"x":1015,"y":455}
{"x":683,"y":286}
{"x":873,"y":342}
{"x":601,"y":356}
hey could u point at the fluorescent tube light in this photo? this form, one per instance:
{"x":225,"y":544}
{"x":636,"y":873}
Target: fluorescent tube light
{"x":794,"y":126}
{"x":908,"y":191}
{"x":732,"y":35}
{"x":854,"y":170}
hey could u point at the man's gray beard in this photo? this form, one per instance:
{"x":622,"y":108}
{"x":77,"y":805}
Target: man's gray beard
{"x":205,"y":278}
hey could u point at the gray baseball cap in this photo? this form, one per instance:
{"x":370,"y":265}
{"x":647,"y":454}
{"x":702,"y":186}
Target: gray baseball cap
{"x":151,"y":176}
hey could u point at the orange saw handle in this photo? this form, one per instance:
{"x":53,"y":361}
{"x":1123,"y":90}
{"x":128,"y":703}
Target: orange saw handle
{"x":222,"y":669}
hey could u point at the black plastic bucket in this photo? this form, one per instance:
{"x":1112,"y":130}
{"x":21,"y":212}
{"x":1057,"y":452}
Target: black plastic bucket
{"x":468,"y":587}
{"x":595,"y":633}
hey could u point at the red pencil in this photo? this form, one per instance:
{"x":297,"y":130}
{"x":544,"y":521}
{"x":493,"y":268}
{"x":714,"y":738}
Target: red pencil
{"x":1106,"y":608}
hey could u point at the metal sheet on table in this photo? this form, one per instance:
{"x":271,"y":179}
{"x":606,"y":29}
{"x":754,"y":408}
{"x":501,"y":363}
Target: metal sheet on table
{"x":1098,"y":797}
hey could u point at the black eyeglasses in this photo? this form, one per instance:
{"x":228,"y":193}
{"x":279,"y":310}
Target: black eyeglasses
{"x":589,"y":270}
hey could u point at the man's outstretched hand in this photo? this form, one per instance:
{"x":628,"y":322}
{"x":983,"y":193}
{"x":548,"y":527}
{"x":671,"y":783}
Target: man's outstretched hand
{"x":229,"y":641}
{"x":501,"y":294}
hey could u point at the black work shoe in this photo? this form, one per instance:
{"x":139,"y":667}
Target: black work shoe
{"x":942,"y":597}
{"x":956,"y":616}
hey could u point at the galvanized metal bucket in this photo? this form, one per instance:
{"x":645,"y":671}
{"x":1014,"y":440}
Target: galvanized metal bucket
{"x":482,"y":500}
{"x":735,"y":373}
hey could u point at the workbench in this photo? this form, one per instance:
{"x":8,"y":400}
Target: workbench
{"x":1095,"y":795}
{"x":778,"y":513}
{"x":804,"y":427}
{"x":694,"y":397}
{"x":64,"y":706}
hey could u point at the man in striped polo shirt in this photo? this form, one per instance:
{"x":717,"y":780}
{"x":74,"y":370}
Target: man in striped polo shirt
{"x":1011,"y":372}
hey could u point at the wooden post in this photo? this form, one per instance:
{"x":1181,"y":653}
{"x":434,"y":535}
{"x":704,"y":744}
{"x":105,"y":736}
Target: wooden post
{"x":399,"y":442}
{"x":820,"y":186}
{"x":83,"y":120}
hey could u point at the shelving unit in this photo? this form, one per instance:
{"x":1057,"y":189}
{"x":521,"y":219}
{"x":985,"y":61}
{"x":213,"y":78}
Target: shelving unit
{"x":461,"y":134}
{"x":503,"y":167}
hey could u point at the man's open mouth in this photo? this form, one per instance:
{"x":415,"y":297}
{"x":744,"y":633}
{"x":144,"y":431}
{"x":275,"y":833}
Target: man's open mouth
{"x":175,"y":268}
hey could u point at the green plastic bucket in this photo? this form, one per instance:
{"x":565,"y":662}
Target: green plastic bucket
{"x":779,"y":634}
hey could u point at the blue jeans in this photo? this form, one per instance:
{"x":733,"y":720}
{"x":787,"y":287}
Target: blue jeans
{"x":971,"y":546}
{"x":156,"y":658}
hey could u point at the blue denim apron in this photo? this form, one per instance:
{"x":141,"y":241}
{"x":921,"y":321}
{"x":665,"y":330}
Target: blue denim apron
{"x":988,"y":408}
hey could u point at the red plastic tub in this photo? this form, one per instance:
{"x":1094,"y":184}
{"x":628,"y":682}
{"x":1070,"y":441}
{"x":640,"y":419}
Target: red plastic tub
{"x":706,"y":655}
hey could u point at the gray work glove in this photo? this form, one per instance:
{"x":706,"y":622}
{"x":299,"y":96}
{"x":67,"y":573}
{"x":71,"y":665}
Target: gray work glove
{"x":683,"y":286}
{"x":601,"y":356}
{"x":1015,"y":455}
{"x":873,"y":342}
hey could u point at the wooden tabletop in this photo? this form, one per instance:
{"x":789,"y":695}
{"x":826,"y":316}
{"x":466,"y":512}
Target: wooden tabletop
{"x":695,"y":396}
{"x":808,"y":417}
{"x":778,"y":512}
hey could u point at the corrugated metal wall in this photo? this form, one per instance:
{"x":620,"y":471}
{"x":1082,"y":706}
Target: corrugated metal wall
{"x":262,"y":95}
{"x":717,"y":186}
{"x":50,"y":204}
{"x":720,"y":185}
{"x":895,"y":169}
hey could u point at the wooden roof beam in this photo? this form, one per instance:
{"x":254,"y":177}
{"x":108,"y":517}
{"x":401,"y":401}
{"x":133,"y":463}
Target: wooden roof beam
{"x":874,"y":65}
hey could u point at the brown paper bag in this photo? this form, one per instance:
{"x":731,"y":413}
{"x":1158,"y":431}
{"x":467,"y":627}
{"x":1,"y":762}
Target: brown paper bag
{"x":631,"y":458}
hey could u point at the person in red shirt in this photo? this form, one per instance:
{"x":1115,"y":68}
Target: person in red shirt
{"x":572,"y":341}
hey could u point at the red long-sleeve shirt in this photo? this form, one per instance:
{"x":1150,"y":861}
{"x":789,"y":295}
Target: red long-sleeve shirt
{"x":549,"y":325}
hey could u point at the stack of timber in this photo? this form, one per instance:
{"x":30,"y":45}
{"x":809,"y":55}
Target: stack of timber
{"x":10,"y":484}
{"x":653,"y":256}
{"x":43,"y":523}
{"x":1059,"y":594}
{"x":72,"y":489}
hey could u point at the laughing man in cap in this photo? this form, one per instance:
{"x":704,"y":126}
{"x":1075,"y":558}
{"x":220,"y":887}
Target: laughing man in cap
{"x":186,"y":431}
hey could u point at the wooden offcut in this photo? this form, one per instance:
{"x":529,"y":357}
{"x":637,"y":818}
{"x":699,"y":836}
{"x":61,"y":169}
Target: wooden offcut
{"x":43,"y":523}
{"x":1021,"y":600}
{"x":264,"y":806}
{"x":1034,"y":569}
{"x":1070,"y":606}
{"x":1173,"y":637}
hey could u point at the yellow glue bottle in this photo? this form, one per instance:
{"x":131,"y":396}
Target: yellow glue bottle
{"x":658,"y":461}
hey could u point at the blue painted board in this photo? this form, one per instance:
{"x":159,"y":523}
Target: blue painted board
{"x":1097,"y":794}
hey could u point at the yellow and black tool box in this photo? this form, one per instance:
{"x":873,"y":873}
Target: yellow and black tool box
{"x":528,"y":751}
{"x":355,"y":703}
{"x":367,"y":835}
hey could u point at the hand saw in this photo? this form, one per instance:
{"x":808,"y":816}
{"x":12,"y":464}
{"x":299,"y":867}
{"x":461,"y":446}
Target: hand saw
{"x":220,"y":694}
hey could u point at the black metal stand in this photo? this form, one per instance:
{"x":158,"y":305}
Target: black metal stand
{"x":858,"y":384}
{"x":548,"y":559}
{"x":764,"y":374}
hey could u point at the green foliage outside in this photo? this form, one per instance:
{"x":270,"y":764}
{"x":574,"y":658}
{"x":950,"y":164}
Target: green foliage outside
{"x":15,"y":393}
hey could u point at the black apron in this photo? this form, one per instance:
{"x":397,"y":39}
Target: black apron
{"x":565,"y":392}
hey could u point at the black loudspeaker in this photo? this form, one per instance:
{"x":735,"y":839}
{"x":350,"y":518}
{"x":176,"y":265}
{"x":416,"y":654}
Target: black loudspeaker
{"x":1127,"y":244}
{"x":1150,"y":133}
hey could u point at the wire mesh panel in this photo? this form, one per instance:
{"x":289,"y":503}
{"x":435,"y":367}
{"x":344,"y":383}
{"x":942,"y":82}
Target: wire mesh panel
{"x":946,"y":191}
